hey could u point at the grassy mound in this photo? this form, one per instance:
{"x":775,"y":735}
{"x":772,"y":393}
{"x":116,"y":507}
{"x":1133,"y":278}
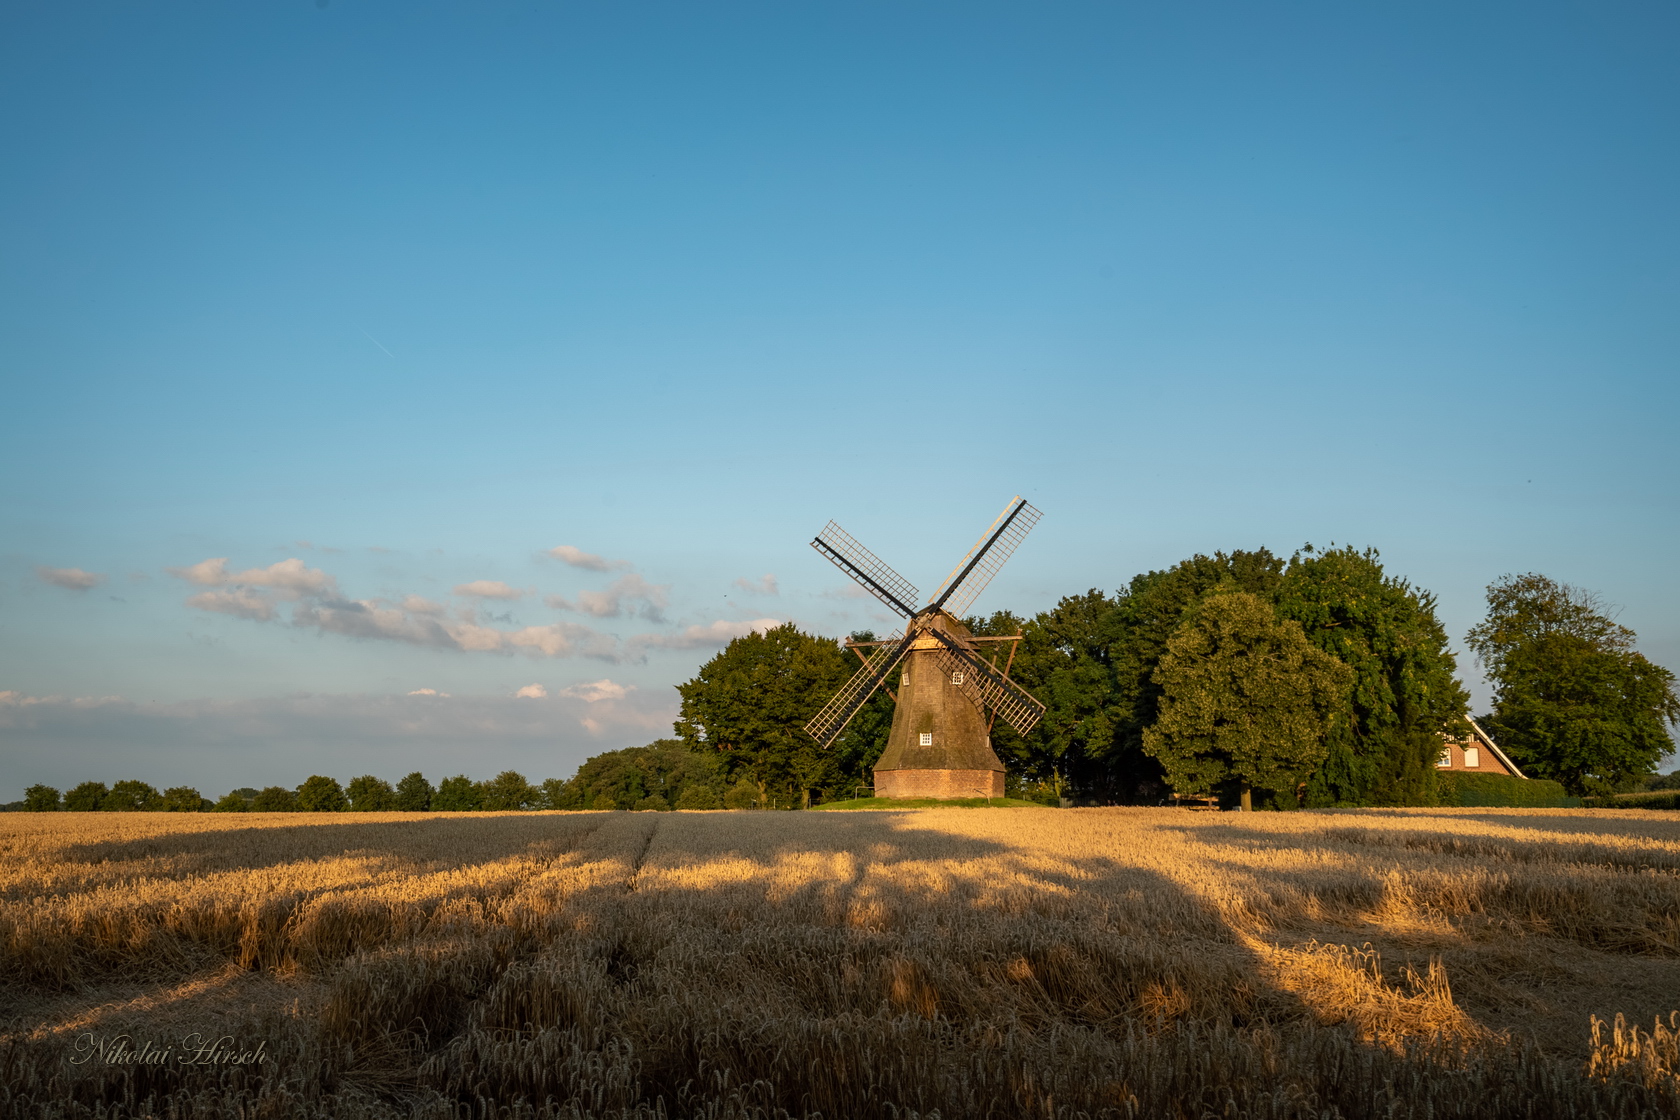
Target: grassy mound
{"x":932,"y":803}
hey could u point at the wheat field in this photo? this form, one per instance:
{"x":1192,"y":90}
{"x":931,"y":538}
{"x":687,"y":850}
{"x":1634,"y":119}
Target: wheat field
{"x":944,"y":962}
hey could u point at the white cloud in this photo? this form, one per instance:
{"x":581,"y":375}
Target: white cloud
{"x":258,"y":593}
{"x":711,"y":636}
{"x":308,"y":598}
{"x":240,"y":603}
{"x":618,"y":599}
{"x":73,"y":578}
{"x":427,"y":692}
{"x":417,"y":604}
{"x":488,"y":589}
{"x":533,"y":692}
{"x":578,"y":558}
{"x":289,"y":579}
{"x":764,"y":585}
{"x":593,"y":692}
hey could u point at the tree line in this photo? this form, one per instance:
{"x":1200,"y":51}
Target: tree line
{"x":1316,"y":681}
{"x":662,"y":775}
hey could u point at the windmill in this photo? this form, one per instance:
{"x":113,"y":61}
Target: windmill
{"x":940,"y":743}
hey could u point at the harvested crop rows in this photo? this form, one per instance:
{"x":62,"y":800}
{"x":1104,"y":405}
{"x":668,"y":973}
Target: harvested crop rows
{"x":951,"y":962}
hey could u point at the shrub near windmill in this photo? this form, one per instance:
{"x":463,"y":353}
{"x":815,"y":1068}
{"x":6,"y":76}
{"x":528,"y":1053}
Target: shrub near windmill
{"x":940,"y":743}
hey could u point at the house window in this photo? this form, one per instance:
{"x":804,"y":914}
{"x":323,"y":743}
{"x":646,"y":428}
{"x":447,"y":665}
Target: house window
{"x":927,"y":739}
{"x":1446,"y":757}
{"x":1472,"y":757}
{"x":957,"y":677}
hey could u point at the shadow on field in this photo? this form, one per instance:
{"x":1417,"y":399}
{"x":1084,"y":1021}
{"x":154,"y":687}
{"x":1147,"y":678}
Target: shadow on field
{"x":458,"y":839}
{"x":1536,"y":934}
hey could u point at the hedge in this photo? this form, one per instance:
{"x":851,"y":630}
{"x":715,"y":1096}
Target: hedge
{"x":1469,"y":790}
{"x":1659,"y":799}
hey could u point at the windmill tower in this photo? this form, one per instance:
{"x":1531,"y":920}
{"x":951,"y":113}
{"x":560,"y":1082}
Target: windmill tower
{"x":940,"y":744}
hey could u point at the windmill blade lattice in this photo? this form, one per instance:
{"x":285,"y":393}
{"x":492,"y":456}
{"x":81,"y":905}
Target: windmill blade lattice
{"x":989,"y":553}
{"x":867,"y":569}
{"x":855,"y":693}
{"x":988,"y":687}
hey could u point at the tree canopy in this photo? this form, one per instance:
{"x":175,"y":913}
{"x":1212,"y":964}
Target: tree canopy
{"x":750,"y":704}
{"x":1573,"y":699}
{"x":659,"y":775}
{"x":1245,"y":699}
{"x":1092,"y":659}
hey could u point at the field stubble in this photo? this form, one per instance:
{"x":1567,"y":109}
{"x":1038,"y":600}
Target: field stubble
{"x":940,"y":962}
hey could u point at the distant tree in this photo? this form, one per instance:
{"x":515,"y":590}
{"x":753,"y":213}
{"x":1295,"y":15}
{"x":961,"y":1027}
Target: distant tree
{"x":234,"y":801}
{"x":41,"y":799}
{"x":413,"y":794}
{"x":86,"y":797}
{"x":554,"y":794}
{"x":183,"y":799}
{"x":1574,"y":701}
{"x":274,"y":799}
{"x":368,"y":794}
{"x":131,"y":797}
{"x":320,"y":794}
{"x":743,"y":795}
{"x":459,"y":794}
{"x":652,"y":802}
{"x":603,"y":803}
{"x":699,"y":797}
{"x":664,"y":768}
{"x":507,"y":791}
{"x":1406,"y":690}
{"x":1246,"y":700}
{"x":750,"y":704}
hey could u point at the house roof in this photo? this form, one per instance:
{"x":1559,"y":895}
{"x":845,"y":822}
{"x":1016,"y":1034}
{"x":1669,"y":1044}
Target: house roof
{"x":1494,"y":747}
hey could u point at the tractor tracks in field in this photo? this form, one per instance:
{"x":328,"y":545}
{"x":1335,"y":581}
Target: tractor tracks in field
{"x":631,"y":883}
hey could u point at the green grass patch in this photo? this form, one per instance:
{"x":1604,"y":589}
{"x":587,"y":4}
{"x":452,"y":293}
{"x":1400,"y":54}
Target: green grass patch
{"x":932,"y":803}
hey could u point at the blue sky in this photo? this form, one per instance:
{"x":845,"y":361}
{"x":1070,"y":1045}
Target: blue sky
{"x":403,"y":297}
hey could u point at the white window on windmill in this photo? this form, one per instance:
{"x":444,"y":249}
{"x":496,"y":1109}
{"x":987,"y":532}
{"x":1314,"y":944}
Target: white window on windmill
{"x":957,"y":677}
{"x":1446,"y":758}
{"x":927,"y":739}
{"x":1472,"y":757}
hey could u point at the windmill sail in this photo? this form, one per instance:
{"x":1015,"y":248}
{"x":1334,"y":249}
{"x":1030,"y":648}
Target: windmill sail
{"x":867,"y":569}
{"x":838,"y":712}
{"x":988,"y":687}
{"x":989,"y":553}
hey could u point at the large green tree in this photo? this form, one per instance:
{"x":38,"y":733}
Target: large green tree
{"x":1091,"y":660}
{"x":750,"y":704}
{"x":321,"y":794}
{"x":1573,"y":699}
{"x":1406,"y":689}
{"x":413,"y":794}
{"x":368,"y":794}
{"x":1246,"y":700}
{"x":132,"y":796}
{"x":86,"y":797}
{"x":509,"y":790}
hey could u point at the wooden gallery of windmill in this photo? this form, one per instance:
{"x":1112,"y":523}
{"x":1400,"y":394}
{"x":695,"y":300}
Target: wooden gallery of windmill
{"x":950,"y":688}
